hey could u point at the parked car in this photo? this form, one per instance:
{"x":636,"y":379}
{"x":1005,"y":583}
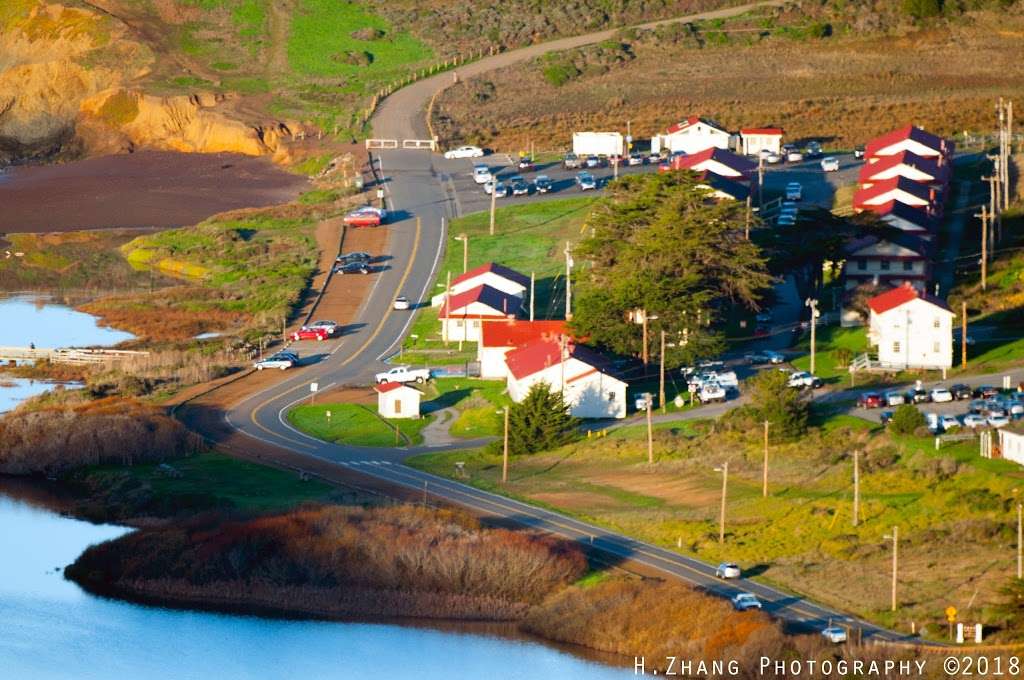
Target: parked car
{"x":794,"y":191}
{"x":593,"y":162}
{"x":774,"y":357}
{"x":710,"y":392}
{"x":998,"y":421}
{"x":585,"y":181}
{"x":353,"y":268}
{"x":940,"y":395}
{"x":403,"y":374}
{"x":772,"y":158}
{"x":635,"y":159}
{"x":830,"y":164}
{"x":464,"y":152}
{"x":994,"y":407}
{"x":986,"y":392}
{"x":974,"y":420}
{"x":367,"y":216}
{"x":329,"y":327}
{"x":803,"y":380}
{"x":755,"y":358}
{"x":571,"y":161}
{"x":834,"y":634}
{"x":526,"y":164}
{"x":543,"y":184}
{"x":917,"y":396}
{"x":401,"y":303}
{"x":281,"y":360}
{"x":870,"y":400}
{"x":961,"y":391}
{"x":520,"y":187}
{"x":977,"y":406}
{"x":894,"y":398}
{"x":858,"y":151}
{"x":948,"y":422}
{"x":812,"y":150}
{"x":794,"y":156}
{"x":500,"y":189}
{"x":482,"y":174}
{"x":306,"y":333}
{"x":745,"y":601}
{"x":349,"y":258}
{"x":728,"y":570}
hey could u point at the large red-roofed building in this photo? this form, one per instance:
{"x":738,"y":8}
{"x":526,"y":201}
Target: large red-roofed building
{"x":911,"y":329}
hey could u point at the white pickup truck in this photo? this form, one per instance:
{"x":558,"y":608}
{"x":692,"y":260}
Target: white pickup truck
{"x":404,"y":374}
{"x":711,"y":391}
{"x":804,"y":380}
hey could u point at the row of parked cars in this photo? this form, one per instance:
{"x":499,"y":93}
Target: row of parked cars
{"x":988,"y":407}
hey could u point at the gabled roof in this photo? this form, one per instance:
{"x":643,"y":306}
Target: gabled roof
{"x":881,"y":187}
{"x":937,"y":168}
{"x":516,"y":332}
{"x":911,"y":132}
{"x":538,"y":355}
{"x":500,"y":270}
{"x":693,"y":120}
{"x":384,"y":388}
{"x":762,"y":131}
{"x":723,"y":156}
{"x":920,"y":246}
{"x":501,"y":302}
{"x":727,"y":185}
{"x":920,"y":216}
{"x":891,"y":299}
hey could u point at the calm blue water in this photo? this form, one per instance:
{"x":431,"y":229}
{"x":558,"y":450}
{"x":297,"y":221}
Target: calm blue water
{"x":28,"y":319}
{"x":13,"y":391}
{"x":49,"y":628}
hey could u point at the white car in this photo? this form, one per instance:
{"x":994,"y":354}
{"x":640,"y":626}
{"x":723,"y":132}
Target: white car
{"x":998,"y":421}
{"x":948,"y":422}
{"x":803,"y":379}
{"x":464,"y":152}
{"x":401,"y":303}
{"x":941,"y":394}
{"x":403,"y":374}
{"x":330,"y":326}
{"x":794,"y":156}
{"x":728,"y":570}
{"x":774,"y":357}
{"x":482,"y":174}
{"x":281,"y":360}
{"x":834,"y":634}
{"x":772,"y":158}
{"x":745,"y":601}
{"x":894,"y":399}
{"x":830,"y":164}
{"x":974,"y":420}
{"x":794,"y":191}
{"x":711,"y":391}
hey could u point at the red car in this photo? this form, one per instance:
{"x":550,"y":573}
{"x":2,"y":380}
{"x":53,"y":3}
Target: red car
{"x":367,"y":216}
{"x":318,"y":334}
{"x":870,"y":400}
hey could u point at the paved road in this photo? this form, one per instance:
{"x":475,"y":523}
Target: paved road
{"x":419,"y":190}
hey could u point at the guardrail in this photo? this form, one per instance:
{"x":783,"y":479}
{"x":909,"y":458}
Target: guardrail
{"x":419,"y":144}
{"x":381,"y":143}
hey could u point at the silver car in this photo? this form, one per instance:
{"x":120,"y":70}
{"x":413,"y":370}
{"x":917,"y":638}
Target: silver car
{"x":834,"y":634}
{"x":728,"y":570}
{"x":281,"y":360}
{"x":745,"y":601}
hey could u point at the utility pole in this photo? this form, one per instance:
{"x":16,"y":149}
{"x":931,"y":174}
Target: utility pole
{"x":448,"y":313}
{"x":533,"y":286}
{"x":645,"y":356}
{"x":963,"y":335}
{"x":568,"y":281}
{"x":856,"y":487}
{"x":749,"y":218}
{"x":895,"y":536}
{"x":764,"y":481}
{"x":813,"y":304}
{"x":760,"y":181}
{"x":725,"y":490}
{"x":504,"y":452}
{"x":650,"y":432}
{"x":494,"y":202}
{"x":984,"y":247}
{"x":661,"y":376}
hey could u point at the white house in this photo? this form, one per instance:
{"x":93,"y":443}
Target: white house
{"x":893,"y":259}
{"x":501,"y":337}
{"x":491,"y":274}
{"x":580,"y":373}
{"x":395,"y":400}
{"x":911,"y":329}
{"x":755,"y":140}
{"x":1011,"y":442}
{"x":692,"y":135}
{"x":463,"y":315}
{"x":909,"y":138}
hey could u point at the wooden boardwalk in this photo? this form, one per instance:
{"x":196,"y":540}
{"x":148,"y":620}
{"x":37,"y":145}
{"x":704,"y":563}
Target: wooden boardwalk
{"x":67,"y":355}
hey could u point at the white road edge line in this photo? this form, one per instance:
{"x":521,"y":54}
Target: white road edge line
{"x":286,"y":407}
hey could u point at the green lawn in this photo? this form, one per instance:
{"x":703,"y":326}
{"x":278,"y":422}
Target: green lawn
{"x":356,"y":425}
{"x":476,"y":401}
{"x":211,"y":480}
{"x":829,"y":340}
{"x":529,"y":238}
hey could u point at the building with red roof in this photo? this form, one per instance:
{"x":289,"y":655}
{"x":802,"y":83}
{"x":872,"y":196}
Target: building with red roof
{"x":911,"y":329}
{"x":397,"y":400}
{"x":691,"y":136}
{"x":910,"y":138}
{"x":717,"y":161}
{"x":490,"y":274}
{"x":930,"y":170}
{"x":583,"y":375}
{"x":891,"y":259}
{"x":898,"y":189}
{"x":500,"y":337}
{"x":754,"y":140}
{"x":463,"y":315}
{"x":922,"y":221}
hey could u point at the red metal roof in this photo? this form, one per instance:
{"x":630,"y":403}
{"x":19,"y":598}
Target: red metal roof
{"x":384,"y":388}
{"x":933,"y":142}
{"x":540,"y":354}
{"x":515,"y":332}
{"x":762,"y":131}
{"x":884,"y":186}
{"x":727,"y":158}
{"x":500,"y":270}
{"x":922,"y":217}
{"x":891,"y":299}
{"x":936,"y":168}
{"x":503,"y":304}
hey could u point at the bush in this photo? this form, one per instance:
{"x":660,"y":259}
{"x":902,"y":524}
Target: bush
{"x":540,"y":422}
{"x":906,"y":419}
{"x":784,"y":407}
{"x":922,"y":9}
{"x":558,"y":73}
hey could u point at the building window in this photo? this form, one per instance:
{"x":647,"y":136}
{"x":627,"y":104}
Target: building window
{"x":935,"y":348}
{"x":908,"y":266}
{"x":937,"y":323}
{"x":458,"y":323}
{"x":896,"y":347}
{"x":611,"y":396}
{"x":862,"y":264}
{"x":884,"y":265}
{"x":476,"y":323}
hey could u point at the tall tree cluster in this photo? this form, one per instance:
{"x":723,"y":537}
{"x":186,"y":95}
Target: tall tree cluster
{"x":659,"y":242}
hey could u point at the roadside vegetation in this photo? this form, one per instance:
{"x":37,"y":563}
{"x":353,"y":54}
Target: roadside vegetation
{"x":356,"y":425}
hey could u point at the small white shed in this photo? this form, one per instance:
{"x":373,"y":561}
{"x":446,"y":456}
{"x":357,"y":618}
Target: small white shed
{"x":396,"y":400}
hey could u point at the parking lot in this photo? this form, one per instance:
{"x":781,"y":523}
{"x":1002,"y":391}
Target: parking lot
{"x":819,"y":187}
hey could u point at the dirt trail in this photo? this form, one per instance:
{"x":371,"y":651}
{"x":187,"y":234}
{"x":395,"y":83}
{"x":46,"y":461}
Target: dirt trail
{"x":277,"y":24}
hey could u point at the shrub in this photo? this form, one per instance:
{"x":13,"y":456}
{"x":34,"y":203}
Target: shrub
{"x":906,"y":419}
{"x":784,"y":407}
{"x":922,"y":9}
{"x":559,"y":72}
{"x":539,"y":423}
{"x":120,"y":108}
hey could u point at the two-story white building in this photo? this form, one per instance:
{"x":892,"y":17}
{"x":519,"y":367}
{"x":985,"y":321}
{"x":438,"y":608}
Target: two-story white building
{"x":755,"y":140}
{"x":500,"y":338}
{"x":580,"y":373}
{"x":490,"y":274}
{"x":462,"y":316}
{"x":893,"y":259}
{"x":692,"y":135}
{"x":911,"y":329}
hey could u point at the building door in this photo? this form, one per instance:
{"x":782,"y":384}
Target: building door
{"x":398,"y":407}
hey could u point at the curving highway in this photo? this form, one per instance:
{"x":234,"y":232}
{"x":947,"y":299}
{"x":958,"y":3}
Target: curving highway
{"x":418,"y":193}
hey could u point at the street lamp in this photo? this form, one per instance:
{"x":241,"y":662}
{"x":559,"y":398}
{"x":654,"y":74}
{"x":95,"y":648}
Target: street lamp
{"x":724,"y":469}
{"x":465,"y":251}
